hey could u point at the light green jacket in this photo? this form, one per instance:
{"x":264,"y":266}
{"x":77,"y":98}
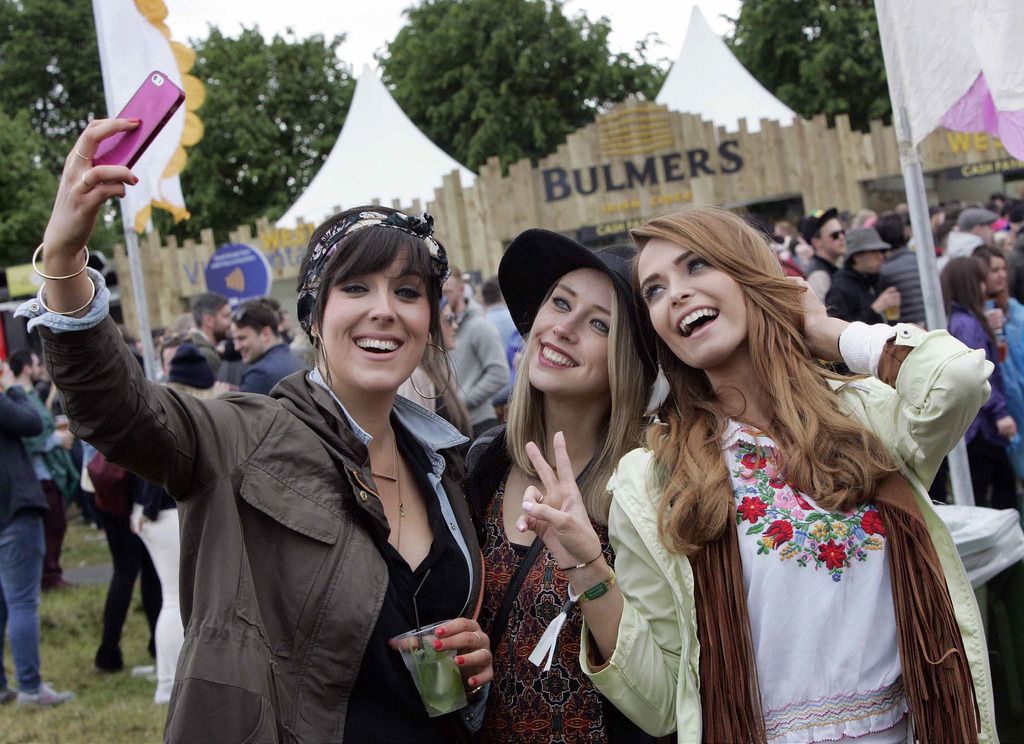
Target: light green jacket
{"x":653,"y":675}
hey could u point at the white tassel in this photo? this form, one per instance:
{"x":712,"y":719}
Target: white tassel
{"x":549,"y":641}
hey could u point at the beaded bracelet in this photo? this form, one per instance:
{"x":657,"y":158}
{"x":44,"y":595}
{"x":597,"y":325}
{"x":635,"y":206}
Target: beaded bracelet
{"x":69,"y":312}
{"x":35,"y":257}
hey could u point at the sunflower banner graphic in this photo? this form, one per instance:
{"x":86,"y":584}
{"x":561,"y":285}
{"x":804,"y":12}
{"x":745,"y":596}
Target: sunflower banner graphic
{"x":134,"y":40}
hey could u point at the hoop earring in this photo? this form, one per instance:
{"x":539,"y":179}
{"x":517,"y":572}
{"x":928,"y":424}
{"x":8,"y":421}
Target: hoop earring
{"x":447,"y":382}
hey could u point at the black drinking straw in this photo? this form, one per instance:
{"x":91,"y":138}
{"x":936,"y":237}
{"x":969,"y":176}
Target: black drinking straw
{"x":416,"y":609}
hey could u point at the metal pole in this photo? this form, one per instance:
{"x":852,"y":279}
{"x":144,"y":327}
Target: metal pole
{"x":927,"y":268}
{"x":131,"y":242}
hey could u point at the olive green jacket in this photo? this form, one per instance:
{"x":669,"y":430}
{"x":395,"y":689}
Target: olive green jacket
{"x":281,"y":580}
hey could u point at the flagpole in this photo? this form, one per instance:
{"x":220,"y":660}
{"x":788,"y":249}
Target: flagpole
{"x":131,"y":238}
{"x":920,"y":224}
{"x":131,"y":244}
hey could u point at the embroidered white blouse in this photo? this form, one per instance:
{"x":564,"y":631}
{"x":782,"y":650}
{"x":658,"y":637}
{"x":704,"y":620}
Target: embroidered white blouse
{"x":820,"y":606}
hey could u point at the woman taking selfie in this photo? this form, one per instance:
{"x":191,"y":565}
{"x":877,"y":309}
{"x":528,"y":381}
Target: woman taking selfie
{"x":318,"y":522}
{"x":781,"y":574}
{"x":582,"y":372}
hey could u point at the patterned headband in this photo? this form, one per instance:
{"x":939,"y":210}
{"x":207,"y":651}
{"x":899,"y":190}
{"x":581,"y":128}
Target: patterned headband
{"x":421,"y":227}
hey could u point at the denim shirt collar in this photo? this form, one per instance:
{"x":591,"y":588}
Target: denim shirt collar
{"x":429,"y":429}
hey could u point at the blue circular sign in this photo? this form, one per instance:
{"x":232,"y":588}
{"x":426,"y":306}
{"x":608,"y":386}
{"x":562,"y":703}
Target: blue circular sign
{"x":239,"y":272}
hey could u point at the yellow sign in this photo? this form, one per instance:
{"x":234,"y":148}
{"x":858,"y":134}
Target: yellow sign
{"x":22,"y":281}
{"x":960,"y":142}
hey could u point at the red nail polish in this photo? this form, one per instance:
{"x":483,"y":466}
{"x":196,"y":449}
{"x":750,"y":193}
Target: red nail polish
{"x":459,"y":660}
{"x":471,"y":681}
{"x":438,"y":645}
{"x":440,"y":632}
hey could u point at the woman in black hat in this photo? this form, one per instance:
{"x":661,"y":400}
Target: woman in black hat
{"x":584,"y":374}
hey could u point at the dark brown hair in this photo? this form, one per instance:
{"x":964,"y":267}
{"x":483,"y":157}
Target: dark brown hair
{"x":961,"y":282}
{"x":368,"y":251}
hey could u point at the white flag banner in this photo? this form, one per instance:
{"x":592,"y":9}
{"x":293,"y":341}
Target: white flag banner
{"x":956,"y":64}
{"x":131,"y":46}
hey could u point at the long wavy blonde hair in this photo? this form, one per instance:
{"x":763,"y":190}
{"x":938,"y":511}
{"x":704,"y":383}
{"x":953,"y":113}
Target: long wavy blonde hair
{"x":829,"y":454}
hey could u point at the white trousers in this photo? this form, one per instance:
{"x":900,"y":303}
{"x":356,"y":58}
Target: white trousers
{"x":163,"y":542}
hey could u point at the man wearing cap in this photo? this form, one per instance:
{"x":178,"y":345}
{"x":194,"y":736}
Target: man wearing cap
{"x":826,"y":235}
{"x":977,"y":221}
{"x":854,"y":292}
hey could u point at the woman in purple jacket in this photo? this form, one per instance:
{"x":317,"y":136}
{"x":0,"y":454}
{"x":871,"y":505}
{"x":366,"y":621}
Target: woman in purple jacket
{"x":963,"y":281}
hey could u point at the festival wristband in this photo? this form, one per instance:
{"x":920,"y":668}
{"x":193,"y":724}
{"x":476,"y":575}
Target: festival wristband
{"x":598,"y":590}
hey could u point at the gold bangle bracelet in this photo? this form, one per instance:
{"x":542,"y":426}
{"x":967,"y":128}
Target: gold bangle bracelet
{"x":35,"y":258}
{"x":69,"y":312}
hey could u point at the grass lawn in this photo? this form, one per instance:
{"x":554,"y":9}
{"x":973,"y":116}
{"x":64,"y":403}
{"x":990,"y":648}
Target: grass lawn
{"x":108,"y":708}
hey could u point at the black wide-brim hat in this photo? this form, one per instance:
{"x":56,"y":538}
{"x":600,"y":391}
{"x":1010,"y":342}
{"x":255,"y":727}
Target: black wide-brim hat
{"x":537,"y":258}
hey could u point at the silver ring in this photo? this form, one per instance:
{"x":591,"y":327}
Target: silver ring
{"x":477,"y":634}
{"x":540,"y":497}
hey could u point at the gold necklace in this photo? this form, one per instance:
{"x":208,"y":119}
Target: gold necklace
{"x":396,"y":476}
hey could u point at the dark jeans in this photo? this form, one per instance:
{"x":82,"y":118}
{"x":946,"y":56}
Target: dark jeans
{"x":21,"y":562}
{"x":991,"y":469}
{"x":55,"y":524}
{"x":130,"y":557}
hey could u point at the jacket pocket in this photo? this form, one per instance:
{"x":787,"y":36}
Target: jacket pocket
{"x":202,"y":711}
{"x":288,"y":539}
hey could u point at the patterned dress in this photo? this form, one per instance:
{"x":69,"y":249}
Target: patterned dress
{"x":820,"y":604}
{"x":525,"y":704}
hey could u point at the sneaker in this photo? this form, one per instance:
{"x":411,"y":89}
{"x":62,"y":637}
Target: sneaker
{"x":7,"y":695}
{"x":46,"y":696}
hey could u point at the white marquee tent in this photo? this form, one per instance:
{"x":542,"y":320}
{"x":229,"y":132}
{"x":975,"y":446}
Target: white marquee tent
{"x":379,"y":154}
{"x":708,"y":80}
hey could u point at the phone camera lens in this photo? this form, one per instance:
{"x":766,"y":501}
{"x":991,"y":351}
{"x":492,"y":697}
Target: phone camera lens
{"x":158,"y":79}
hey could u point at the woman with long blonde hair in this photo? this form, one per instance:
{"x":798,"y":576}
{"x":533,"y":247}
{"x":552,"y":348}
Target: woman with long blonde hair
{"x":782,"y":575}
{"x":582,"y":371}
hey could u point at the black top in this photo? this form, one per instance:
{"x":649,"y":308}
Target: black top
{"x":385,"y":705}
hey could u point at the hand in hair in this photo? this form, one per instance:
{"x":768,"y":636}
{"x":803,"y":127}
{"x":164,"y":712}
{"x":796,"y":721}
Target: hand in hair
{"x":558,"y":515}
{"x":821,"y":332}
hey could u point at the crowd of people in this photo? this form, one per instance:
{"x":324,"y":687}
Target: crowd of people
{"x":864,"y":268}
{"x":592,"y":485}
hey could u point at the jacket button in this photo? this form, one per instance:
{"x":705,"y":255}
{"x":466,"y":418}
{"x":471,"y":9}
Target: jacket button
{"x":34,"y":307}
{"x":363,"y":496}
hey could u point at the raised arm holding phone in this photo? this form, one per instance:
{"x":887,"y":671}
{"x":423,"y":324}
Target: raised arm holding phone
{"x":317,"y":523}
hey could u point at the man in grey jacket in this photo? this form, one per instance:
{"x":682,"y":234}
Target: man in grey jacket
{"x":479,"y":355}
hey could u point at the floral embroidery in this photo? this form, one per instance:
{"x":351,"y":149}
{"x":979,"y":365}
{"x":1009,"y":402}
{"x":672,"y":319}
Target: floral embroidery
{"x":787,"y":523}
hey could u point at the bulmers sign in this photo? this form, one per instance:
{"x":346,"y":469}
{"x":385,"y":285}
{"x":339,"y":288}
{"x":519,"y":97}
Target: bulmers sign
{"x":560,"y":183}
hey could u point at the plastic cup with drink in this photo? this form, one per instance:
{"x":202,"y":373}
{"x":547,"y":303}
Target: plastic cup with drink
{"x":437,"y":678}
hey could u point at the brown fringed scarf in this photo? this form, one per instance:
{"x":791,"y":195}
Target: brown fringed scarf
{"x":936,"y":675}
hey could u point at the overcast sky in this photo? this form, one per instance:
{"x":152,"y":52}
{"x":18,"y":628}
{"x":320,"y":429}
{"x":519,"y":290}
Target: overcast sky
{"x":370,"y":24}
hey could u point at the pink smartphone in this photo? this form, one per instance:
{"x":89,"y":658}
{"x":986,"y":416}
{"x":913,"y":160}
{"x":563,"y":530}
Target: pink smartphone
{"x":154,"y":103}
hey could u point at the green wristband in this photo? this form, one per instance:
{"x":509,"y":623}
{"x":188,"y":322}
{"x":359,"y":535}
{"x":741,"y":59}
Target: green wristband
{"x":598,"y":590}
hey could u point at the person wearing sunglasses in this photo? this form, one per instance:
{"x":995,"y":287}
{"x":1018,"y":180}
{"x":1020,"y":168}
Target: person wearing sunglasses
{"x":310,"y":517}
{"x":827,"y":237}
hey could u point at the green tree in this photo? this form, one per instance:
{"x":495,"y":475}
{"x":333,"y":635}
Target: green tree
{"x":817,"y":56}
{"x":50,"y":67}
{"x":507,"y":77}
{"x":27,"y":189}
{"x":272,"y":113}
